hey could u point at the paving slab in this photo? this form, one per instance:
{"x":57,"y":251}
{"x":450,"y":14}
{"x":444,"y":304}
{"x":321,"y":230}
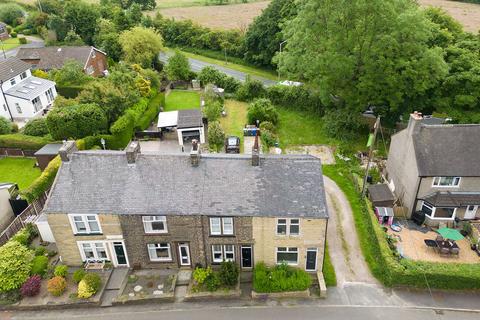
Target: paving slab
{"x":117,"y":278}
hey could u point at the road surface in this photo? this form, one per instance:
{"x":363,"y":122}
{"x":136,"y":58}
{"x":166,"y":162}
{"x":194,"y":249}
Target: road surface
{"x":198,"y":65}
{"x":34,"y":42}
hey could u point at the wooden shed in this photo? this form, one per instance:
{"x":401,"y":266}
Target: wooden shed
{"x":46,"y":154}
{"x":381,"y":195}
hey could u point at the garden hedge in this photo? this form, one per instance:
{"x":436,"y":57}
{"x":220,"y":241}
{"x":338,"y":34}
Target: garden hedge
{"x":24,"y":142}
{"x":151,"y":112}
{"x":69,"y":92}
{"x":42,"y":183}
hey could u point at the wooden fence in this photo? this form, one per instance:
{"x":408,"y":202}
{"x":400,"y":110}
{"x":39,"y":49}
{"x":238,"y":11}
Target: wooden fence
{"x":16,"y":152}
{"x":27,"y":216}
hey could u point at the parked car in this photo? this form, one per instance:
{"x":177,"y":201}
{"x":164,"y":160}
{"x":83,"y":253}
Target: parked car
{"x":232,"y":144}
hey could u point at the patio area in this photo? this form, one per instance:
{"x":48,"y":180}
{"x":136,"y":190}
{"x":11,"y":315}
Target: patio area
{"x":411,"y":245}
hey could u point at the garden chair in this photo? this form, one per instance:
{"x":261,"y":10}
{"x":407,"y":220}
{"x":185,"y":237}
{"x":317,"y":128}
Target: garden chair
{"x":455,"y":252}
{"x":444,"y":252}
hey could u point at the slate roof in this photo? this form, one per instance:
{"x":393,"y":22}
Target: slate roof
{"x":224,"y":185}
{"x":12,"y":67}
{"x":190,"y":118}
{"x":30,"y":88}
{"x":448,"y":150}
{"x":380,"y":193}
{"x":453,"y":199}
{"x":55,"y":57}
{"x":49,"y":149}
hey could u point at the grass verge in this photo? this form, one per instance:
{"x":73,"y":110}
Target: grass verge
{"x":181,"y":100}
{"x":328,"y":270}
{"x":21,"y":171}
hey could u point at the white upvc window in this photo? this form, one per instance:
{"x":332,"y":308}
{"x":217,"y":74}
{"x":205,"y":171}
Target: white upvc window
{"x":159,"y":251}
{"x":222,"y":253}
{"x":23,"y":75}
{"x":85,"y":223}
{"x":446,"y":181}
{"x":221,"y":226}
{"x":93,"y":251}
{"x":439,"y":213}
{"x":37,"y":104}
{"x":288,"y":255}
{"x":155,"y":224}
{"x":49,"y":95}
{"x":13,"y":81}
{"x":288,"y":227}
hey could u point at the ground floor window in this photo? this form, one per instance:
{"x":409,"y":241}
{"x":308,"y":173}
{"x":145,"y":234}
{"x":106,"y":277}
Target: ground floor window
{"x":287,"y":255}
{"x":159,"y":251}
{"x":93,"y":251}
{"x":438,"y":212}
{"x":222,"y":253}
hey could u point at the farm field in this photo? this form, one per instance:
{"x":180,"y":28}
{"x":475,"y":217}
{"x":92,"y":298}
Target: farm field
{"x":468,"y":14}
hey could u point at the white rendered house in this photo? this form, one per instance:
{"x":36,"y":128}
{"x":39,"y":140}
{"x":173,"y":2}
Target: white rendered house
{"x":23,"y":96}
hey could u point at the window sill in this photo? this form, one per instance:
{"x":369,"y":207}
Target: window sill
{"x":222,"y":235}
{"x":88,"y":234}
{"x":161,"y":261}
{"x":157,"y":233}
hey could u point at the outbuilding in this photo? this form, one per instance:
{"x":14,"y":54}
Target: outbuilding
{"x":46,"y":154}
{"x":187,"y":123}
{"x":381,"y":195}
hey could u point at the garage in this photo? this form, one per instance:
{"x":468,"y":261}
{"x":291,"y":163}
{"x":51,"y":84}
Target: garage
{"x":187,"y":123}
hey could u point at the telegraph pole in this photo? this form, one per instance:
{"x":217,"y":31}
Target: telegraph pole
{"x":370,"y":154}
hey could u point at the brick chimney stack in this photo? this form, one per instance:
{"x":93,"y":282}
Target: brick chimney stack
{"x":67,"y":149}
{"x":132,"y":150}
{"x":195,"y":153}
{"x":256,"y":152}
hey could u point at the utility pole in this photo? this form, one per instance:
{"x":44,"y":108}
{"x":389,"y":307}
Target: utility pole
{"x":3,"y":49}
{"x":370,"y":154}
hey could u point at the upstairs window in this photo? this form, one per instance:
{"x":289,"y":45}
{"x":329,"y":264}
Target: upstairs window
{"x":446,"y":181}
{"x":221,"y":226}
{"x":85,"y":224}
{"x":23,"y":75}
{"x":155,"y":224}
{"x":288,"y":227}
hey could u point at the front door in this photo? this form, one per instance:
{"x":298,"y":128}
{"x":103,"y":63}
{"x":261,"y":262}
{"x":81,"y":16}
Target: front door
{"x":120,"y":254}
{"x":184,"y":254}
{"x":471,"y":212}
{"x":311,"y":262}
{"x":246,"y":257}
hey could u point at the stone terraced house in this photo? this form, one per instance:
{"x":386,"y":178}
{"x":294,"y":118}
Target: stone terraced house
{"x":150,"y":210}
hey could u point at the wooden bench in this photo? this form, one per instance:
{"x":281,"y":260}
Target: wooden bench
{"x":94,"y":265}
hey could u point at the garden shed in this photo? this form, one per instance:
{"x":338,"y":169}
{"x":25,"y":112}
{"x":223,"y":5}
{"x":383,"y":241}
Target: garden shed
{"x":46,"y":154}
{"x":381,"y":195}
{"x":188,"y":123}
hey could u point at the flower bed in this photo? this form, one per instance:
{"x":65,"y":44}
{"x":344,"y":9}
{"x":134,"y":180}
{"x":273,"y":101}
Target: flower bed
{"x":280,"y":279}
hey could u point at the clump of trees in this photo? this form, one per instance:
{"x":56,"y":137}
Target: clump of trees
{"x":178,"y":67}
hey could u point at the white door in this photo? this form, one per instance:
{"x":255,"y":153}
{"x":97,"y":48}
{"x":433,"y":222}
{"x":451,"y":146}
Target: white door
{"x":471,"y":212}
{"x":184,"y":254}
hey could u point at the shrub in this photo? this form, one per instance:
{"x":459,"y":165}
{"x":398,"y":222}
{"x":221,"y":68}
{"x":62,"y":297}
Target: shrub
{"x":279,"y":278}
{"x":39,"y":265}
{"x":178,"y":67}
{"x":268,"y":138}
{"x":10,"y":296}
{"x":31,"y":287}
{"x":267,"y":125}
{"x":57,"y":285}
{"x":24,"y":142}
{"x":250,"y":89}
{"x":22,"y":40}
{"x":343,"y":124}
{"x":36,"y":127}
{"x":298,"y":98}
{"x":228,"y":273}
{"x":14,"y":127}
{"x":122,"y":131}
{"x":40,"y":251}
{"x":216,"y":136}
{"x":13,"y":34}
{"x":10,"y":13}
{"x":84,"y":291}
{"x":213,"y":110}
{"x":61,"y":271}
{"x":70,"y":91}
{"x":5,"y":125}
{"x":210,"y":75}
{"x":42,"y":183}
{"x":93,"y":281}
{"x":22,"y":237}
{"x":78,"y":275}
{"x":262,"y":110}
{"x":152,"y":111}
{"x":15,"y":265}
{"x":212,"y":282}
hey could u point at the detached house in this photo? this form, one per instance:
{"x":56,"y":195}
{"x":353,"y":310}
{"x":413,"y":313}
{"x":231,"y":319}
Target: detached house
{"x":93,"y":61}
{"x":3,"y":31}
{"x":435,"y":168}
{"x":23,"y":96}
{"x":175,"y":211}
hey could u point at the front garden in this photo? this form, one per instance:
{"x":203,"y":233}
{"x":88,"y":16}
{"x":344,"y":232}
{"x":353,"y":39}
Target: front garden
{"x":280,"y":278}
{"x":21,"y":171}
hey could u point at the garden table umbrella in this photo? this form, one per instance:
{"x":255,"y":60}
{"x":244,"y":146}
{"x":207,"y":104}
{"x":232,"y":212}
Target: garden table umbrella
{"x":451,"y":234}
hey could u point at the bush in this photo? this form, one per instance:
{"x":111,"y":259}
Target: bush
{"x":39,"y":265}
{"x":213,"y":110}
{"x":122,"y":131}
{"x":212,"y":283}
{"x":57,"y":285}
{"x":15,"y":265}
{"x":280,"y":278}
{"x":42,"y":183}
{"x":10,"y":13}
{"x":13,"y":34}
{"x":24,"y":142}
{"x":78,"y":275}
{"x":61,"y":271}
{"x":216,"y":136}
{"x":22,"y":237}
{"x":262,"y":110}
{"x":14,"y":127}
{"x":5,"y":125}
{"x":210,"y":75}
{"x":152,"y":111}
{"x":201,"y":274}
{"x":40,"y":251}
{"x":84,"y":291}
{"x":298,"y":98}
{"x":228,"y":273}
{"x":178,"y":67}
{"x":93,"y":281}
{"x":268,"y":138}
{"x":251,"y":89}
{"x":266,"y":125}
{"x":31,"y":287}
{"x":10,"y":296}
{"x":70,"y":92}
{"x":36,"y":127}
{"x":344,"y":124}
{"x":22,"y":40}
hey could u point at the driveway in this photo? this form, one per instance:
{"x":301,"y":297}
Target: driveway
{"x":347,"y":258}
{"x":198,"y":65}
{"x":34,"y":42}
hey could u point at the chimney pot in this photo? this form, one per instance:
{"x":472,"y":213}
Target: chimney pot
{"x":195,"y":153}
{"x":255,"y":152}
{"x":67,"y":149}
{"x":132,"y":150}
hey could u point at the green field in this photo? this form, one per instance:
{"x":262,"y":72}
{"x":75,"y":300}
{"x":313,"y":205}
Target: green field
{"x":10,"y":44}
{"x":182,"y":99}
{"x":18,"y":170}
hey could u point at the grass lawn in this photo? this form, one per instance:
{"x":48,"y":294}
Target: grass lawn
{"x":182,"y":99}
{"x":328,"y":270}
{"x":235,"y":120}
{"x":19,"y":171}
{"x":10,"y":43}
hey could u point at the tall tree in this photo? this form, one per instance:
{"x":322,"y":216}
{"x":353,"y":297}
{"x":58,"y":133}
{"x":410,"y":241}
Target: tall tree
{"x":82,"y":18}
{"x":141,"y":45}
{"x":363,"y":52}
{"x":178,"y":67}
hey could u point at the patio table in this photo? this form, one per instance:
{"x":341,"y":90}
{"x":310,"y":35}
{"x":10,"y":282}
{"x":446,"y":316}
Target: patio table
{"x":446,"y":244}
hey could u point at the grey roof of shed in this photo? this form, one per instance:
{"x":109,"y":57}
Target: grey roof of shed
{"x":448,"y":150}
{"x":380,"y":192}
{"x":55,"y":57}
{"x":189,"y":118}
{"x":223,"y":185}
{"x":30,"y":88}
{"x":12,"y":67}
{"x":453,"y":199}
{"x":49,"y":149}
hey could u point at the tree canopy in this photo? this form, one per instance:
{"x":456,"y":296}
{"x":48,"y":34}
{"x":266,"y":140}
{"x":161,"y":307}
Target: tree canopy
{"x":141,"y":45}
{"x":178,"y":67}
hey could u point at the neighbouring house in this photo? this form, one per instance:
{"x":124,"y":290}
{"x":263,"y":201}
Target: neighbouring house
{"x":10,"y":204}
{"x":46,"y":154}
{"x":23,"y":96}
{"x":3,"y":31}
{"x":93,"y":61}
{"x":187,"y":123}
{"x":178,"y":211}
{"x":434,"y":169}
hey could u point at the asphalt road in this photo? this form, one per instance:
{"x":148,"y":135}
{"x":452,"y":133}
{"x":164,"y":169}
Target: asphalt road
{"x":243,"y":313}
{"x":197,"y":66}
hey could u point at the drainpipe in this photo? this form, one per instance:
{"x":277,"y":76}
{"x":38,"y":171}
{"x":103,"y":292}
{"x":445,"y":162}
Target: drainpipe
{"x":6,"y":102}
{"x":416,"y":196}
{"x":325,"y":244}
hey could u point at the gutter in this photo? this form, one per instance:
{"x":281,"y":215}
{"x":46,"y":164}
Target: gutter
{"x":6,"y":102}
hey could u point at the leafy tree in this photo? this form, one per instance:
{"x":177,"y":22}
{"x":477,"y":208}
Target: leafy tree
{"x":59,"y":25}
{"x":262,"y":110}
{"x":5,"y":125}
{"x":216,"y":136}
{"x":213,"y":110}
{"x":36,"y":127}
{"x":343,"y":124}
{"x":40,"y":74}
{"x":15,"y":264}
{"x":52,"y":7}
{"x":250,"y":90}
{"x":82,"y":18}
{"x":70,"y":74}
{"x":264,"y":35}
{"x":140,"y":45}
{"x":363,"y":52}
{"x":10,"y":13}
{"x":178,"y":67}
{"x":73,"y":39}
{"x":144,"y":4}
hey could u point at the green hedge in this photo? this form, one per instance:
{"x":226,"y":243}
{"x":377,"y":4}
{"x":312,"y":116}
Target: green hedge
{"x":24,"y":142}
{"x":42,"y":183}
{"x":69,"y":91}
{"x":384,"y":265}
{"x":151,"y":112}
{"x":122,"y":131}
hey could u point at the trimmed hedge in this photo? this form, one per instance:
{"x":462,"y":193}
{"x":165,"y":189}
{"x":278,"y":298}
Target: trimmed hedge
{"x":24,"y":142}
{"x":152,"y":111}
{"x":69,"y":92}
{"x":384,"y":265}
{"x":122,"y":131}
{"x":42,"y":183}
